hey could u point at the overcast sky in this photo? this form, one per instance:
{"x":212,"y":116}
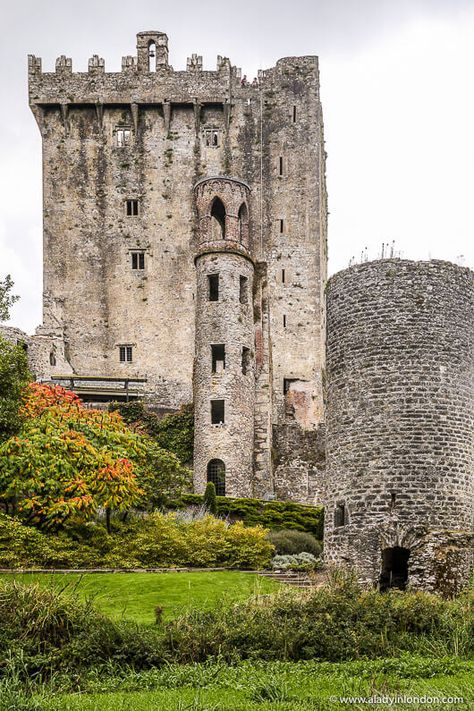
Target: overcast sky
{"x":397,"y":80}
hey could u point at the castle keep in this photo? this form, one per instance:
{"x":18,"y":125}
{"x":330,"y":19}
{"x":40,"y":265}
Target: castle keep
{"x":185,"y":260}
{"x":185,"y":249}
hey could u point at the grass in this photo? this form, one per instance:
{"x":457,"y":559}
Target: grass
{"x":134,"y":596}
{"x":276,"y":686}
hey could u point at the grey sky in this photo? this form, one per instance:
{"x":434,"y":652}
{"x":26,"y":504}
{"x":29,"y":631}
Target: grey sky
{"x":396,"y":75}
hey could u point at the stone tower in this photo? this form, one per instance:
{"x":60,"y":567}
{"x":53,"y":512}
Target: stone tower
{"x":400,"y":423}
{"x":154,"y":181}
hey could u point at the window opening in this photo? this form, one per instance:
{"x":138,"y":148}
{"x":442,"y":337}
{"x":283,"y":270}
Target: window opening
{"x":280,"y":165}
{"x":294,"y":114}
{"x":284,"y":320}
{"x":340,"y":516}
{"x":216,"y":475}
{"x":123,"y":137}
{"x":213,"y":281}
{"x":218,"y":357}
{"x":243,"y":222}
{"x":243,"y":287}
{"x":282,"y":276}
{"x":138,"y":260}
{"x":132,"y":208}
{"x":125,"y":354}
{"x":212,"y":137}
{"x":394,"y":572}
{"x":287,"y":383}
{"x":217,"y":412}
{"x":151,"y":56}
{"x":246,"y":360}
{"x":218,"y":219}
{"x":52,"y":358}
{"x":282,"y":226}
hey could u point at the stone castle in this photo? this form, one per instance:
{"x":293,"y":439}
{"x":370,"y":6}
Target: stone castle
{"x":185,"y":259}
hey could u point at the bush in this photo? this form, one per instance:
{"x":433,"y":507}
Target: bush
{"x":165,"y":540}
{"x":337,"y":622}
{"x":210,"y":499}
{"x":293,"y":542}
{"x":50,"y":631}
{"x":280,"y":515}
{"x":300,"y":561}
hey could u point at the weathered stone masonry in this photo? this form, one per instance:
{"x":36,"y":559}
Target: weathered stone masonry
{"x":400,"y":422}
{"x":127,"y":157}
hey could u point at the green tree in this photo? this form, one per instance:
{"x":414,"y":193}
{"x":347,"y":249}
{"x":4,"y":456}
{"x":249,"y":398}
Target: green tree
{"x":7,"y":299}
{"x":210,"y":498}
{"x":14,"y":375}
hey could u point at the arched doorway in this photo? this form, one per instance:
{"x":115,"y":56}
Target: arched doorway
{"x":218,"y":219}
{"x":394,"y":572}
{"x":216,"y":475}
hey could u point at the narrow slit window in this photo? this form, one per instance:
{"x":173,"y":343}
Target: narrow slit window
{"x":52,"y":358}
{"x":213,"y":282}
{"x":217,"y":412}
{"x":340,"y":515}
{"x":123,"y":137}
{"x":126,"y":354}
{"x":284,"y":320}
{"x":138,"y":260}
{"x":280,"y":165}
{"x":283,"y":276}
{"x":246,"y":361}
{"x":218,"y":357}
{"x":132,"y":208}
{"x":243,"y":285}
{"x":294,"y":114}
{"x":282,"y":226}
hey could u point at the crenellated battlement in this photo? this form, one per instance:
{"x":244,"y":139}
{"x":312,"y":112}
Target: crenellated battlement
{"x":149,"y":79}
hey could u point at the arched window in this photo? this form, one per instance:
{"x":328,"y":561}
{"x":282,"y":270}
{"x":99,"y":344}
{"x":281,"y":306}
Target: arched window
{"x":243,"y":223}
{"x":52,"y":358}
{"x":218,"y":219}
{"x":216,"y":474}
{"x":151,"y":56}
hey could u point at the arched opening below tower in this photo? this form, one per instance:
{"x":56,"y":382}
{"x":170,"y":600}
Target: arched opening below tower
{"x":218,"y":219}
{"x":216,"y":475}
{"x":394,"y":572}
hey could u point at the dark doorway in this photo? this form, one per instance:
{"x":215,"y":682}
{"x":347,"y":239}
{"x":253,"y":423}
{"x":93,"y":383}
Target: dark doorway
{"x":216,"y":474}
{"x":394,"y":568}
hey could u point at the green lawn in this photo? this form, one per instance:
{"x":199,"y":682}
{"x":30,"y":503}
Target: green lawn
{"x":275,"y":686}
{"x":134,"y":596}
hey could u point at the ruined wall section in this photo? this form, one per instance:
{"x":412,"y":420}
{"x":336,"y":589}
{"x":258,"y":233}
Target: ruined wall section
{"x":400,"y":419}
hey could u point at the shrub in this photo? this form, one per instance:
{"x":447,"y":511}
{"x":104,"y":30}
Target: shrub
{"x":50,"y":631}
{"x":271,"y":514}
{"x":210,"y":499}
{"x":300,"y":561}
{"x":337,"y":622}
{"x":290,"y":542}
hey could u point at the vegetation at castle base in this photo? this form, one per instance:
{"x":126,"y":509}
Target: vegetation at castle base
{"x":68,"y":461}
{"x":271,"y":514}
{"x":156,"y":540}
{"x":14,"y":376}
{"x":7,"y":299}
{"x":173,"y":432}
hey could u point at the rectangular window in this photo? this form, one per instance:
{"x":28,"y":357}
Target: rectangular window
{"x":284,"y":320}
{"x":340,"y":516}
{"x":282,"y":276}
{"x":287,"y":384}
{"x":213,"y":280}
{"x":218,"y":358}
{"x":212,"y":137}
{"x":217,"y":412}
{"x":138,"y":260}
{"x":125,"y":354}
{"x":132,"y":208}
{"x":282,"y":226}
{"x":123,"y":137}
{"x":280,"y":165}
{"x":246,"y":362}
{"x":294,"y":114}
{"x":243,"y":285}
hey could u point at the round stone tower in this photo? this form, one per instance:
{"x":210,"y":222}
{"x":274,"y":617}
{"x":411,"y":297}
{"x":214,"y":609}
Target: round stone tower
{"x":400,"y":423}
{"x":224,"y":382}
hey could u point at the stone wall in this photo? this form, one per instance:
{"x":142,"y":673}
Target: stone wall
{"x":400,"y":419}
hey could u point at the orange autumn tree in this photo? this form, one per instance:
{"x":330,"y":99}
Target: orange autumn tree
{"x":68,"y":461}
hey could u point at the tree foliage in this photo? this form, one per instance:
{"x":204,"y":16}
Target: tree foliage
{"x":68,"y":461}
{"x":210,"y":498}
{"x":7,"y":299}
{"x":14,"y":375}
